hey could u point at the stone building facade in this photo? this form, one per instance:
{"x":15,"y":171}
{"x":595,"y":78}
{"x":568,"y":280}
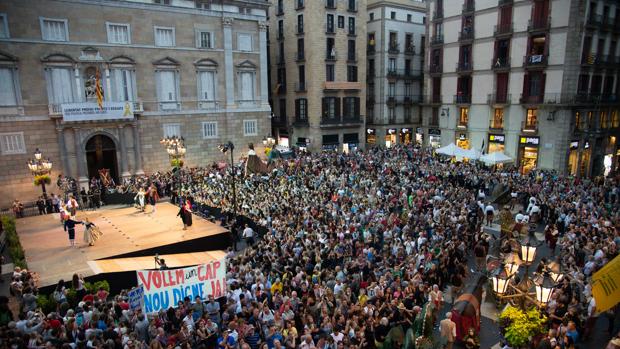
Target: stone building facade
{"x":395,"y":50}
{"x":180,"y":68}
{"x":536,"y":79}
{"x":316,"y":71}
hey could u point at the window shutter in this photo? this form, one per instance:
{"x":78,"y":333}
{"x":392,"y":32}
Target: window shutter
{"x":297,"y":109}
{"x":337,"y":107}
{"x":324,"y":107}
{"x":526,"y":85}
{"x":542,"y":86}
{"x":357,"y":107}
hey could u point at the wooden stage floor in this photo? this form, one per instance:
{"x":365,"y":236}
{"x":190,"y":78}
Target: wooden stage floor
{"x":125,"y":230}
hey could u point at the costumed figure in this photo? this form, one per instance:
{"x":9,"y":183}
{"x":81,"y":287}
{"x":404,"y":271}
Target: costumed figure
{"x":72,"y":206}
{"x":70,"y":229}
{"x":91,"y":232}
{"x":153,"y":196}
{"x":139,"y":199}
{"x":186,"y":214}
{"x":254,"y":164}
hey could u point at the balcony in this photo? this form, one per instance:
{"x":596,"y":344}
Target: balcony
{"x":431,"y":99}
{"x":502,"y":30}
{"x":390,"y":100}
{"x":505,"y":2}
{"x":342,"y":85}
{"x":531,"y":99}
{"x":437,"y":40}
{"x":410,"y":99}
{"x":55,"y":109}
{"x":393,"y":48}
{"x":300,"y":87}
{"x":496,"y":125}
{"x":330,"y":56}
{"x":535,"y":61}
{"x":330,"y":30}
{"x":468,"y":7}
{"x":405,"y":74}
{"x":339,"y":121}
{"x":300,"y":56}
{"x":247,"y":103}
{"x":438,"y":15}
{"x":498,"y":99}
{"x":352,"y":57}
{"x":370,"y":100}
{"x":529,"y":127}
{"x":466,"y":35}
{"x":279,"y":120}
{"x":594,"y":21}
{"x":299,"y":4}
{"x":208,"y":105}
{"x":169,"y":106}
{"x":280,"y":11}
{"x":462,"y":99}
{"x":539,"y":24}
{"x":435,"y":69}
{"x":608,"y":23}
{"x":370,"y":49}
{"x":464,"y":67}
{"x":300,"y":121}
{"x":330,"y":4}
{"x":299,"y":29}
{"x":351,"y":32}
{"x":501,"y":64}
{"x":410,"y":50}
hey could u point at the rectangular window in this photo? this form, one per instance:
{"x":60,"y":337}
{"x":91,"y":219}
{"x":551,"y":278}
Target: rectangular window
{"x":351,"y":50}
{"x":164,"y":36}
{"x":392,"y":64}
{"x":206,"y":85}
{"x":209,"y":129}
{"x":409,"y":17}
{"x":123,"y":85}
{"x":351,"y":107}
{"x":352,"y":73}
{"x":329,"y":72}
{"x":244,"y":42}
{"x":340,"y":22}
{"x":204,"y":39}
{"x":250,"y":127}
{"x":408,"y":90}
{"x":162,"y":2}
{"x":331,"y":107}
{"x":12,"y":143}
{"x":301,"y":71}
{"x":282,"y":109}
{"x":392,"y":89}
{"x":4,"y":26}
{"x":281,"y":29}
{"x":393,"y":15}
{"x":301,"y":109}
{"x":408,"y":114}
{"x":8,"y":93}
{"x":300,"y":24}
{"x":371,"y":16}
{"x":463,"y":116}
{"x":531,"y":119}
{"x":54,"y":29}
{"x":167,"y":89}
{"x":330,"y":23}
{"x":118,"y":33}
{"x":351,"y":25}
{"x":172,"y":130}
{"x":60,"y":85}
{"x":246,"y":86}
{"x":498,"y":119}
{"x":391,"y":115}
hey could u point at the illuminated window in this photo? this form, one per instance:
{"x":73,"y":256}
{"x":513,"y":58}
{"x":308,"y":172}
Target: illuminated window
{"x":531,"y":119}
{"x":498,"y":118}
{"x":463,"y":116}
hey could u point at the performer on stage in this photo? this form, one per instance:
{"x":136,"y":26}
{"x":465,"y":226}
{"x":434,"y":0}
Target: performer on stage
{"x":91,"y":232}
{"x":139,"y":199}
{"x":153,"y":196}
{"x":186,"y":214}
{"x":72,"y":206}
{"x":70,"y":228}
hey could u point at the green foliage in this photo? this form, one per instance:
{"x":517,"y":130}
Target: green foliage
{"x":176,"y":163}
{"x":520,"y":326}
{"x":42,"y":179}
{"x":94,"y":287}
{"x":46,"y":303}
{"x":15,"y":247}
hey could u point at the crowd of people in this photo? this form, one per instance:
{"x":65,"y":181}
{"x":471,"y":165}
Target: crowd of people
{"x":361,"y":250}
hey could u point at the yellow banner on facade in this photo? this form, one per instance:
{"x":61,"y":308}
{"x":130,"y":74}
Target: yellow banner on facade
{"x":606,"y":285}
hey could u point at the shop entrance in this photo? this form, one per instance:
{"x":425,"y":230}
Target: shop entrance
{"x":100,"y":154}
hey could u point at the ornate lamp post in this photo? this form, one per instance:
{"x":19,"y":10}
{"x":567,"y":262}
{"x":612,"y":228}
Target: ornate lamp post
{"x":40,"y":168}
{"x":230,"y":147}
{"x":176,"y":150}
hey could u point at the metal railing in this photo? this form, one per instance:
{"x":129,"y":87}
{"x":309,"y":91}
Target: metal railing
{"x":531,"y":127}
{"x":352,"y":5}
{"x":331,"y":4}
{"x":300,"y":55}
{"x":464,"y":67}
{"x":539,"y":24}
{"x":462,"y":99}
{"x":299,"y":29}
{"x":466,"y":35}
{"x":502,"y":98}
{"x":299,"y":4}
{"x":352,"y":57}
{"x":535,"y":60}
{"x":502,"y":29}
{"x":338,"y":120}
{"x":370,"y":49}
{"x":409,"y":49}
{"x":500,"y":63}
{"x":404,"y":73}
{"x":437,"y":40}
{"x":300,"y":86}
{"x":468,"y":7}
{"x":393,"y":48}
{"x":435,"y":69}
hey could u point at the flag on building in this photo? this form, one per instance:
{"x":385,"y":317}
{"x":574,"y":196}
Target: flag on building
{"x":99,"y":89}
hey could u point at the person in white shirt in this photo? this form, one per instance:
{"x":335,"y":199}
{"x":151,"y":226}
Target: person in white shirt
{"x":489,"y":210}
{"x":248,"y":235}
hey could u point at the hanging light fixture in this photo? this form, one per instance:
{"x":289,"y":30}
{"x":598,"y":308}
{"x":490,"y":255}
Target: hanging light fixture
{"x":544,"y":288}
{"x":528,"y":249}
{"x":500,"y":281}
{"x":512,"y":264}
{"x":555,"y":271}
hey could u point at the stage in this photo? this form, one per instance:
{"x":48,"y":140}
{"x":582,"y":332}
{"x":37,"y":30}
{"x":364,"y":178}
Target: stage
{"x":127,"y":233}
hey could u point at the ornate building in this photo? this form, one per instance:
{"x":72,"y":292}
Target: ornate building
{"x":167,"y":68}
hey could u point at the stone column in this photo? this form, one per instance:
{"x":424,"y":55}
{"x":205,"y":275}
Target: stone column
{"x":137,"y":151}
{"x":121,"y":136}
{"x":80,"y":159}
{"x":108,"y":85}
{"x":78,"y":85}
{"x":228,"y":62}
{"x":262,"y":39}
{"x":63,"y":151}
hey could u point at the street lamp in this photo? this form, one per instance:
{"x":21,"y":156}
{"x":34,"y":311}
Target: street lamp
{"x":176,"y":150}
{"x":528,"y":250}
{"x":501,"y":280}
{"x":40,"y":169}
{"x":544,"y":288}
{"x":225,"y":148}
{"x":268,"y":141}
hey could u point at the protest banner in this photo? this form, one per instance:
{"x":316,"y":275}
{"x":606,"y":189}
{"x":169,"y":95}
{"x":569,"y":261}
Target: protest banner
{"x":165,"y":288}
{"x":606,"y":285}
{"x":136,"y":298}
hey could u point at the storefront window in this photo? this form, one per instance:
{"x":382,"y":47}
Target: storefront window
{"x":528,"y":153}
{"x":615,"y":120}
{"x":604,"y":119}
{"x":531,"y":119}
{"x":590,"y":120}
{"x":498,"y":119}
{"x":578,"y":121}
{"x":573,"y":158}
{"x":463,"y":117}
{"x":405,"y":135}
{"x":434,"y":141}
{"x":496,"y":143}
{"x":371,"y":136}
{"x":462,"y":141}
{"x":390,"y":137}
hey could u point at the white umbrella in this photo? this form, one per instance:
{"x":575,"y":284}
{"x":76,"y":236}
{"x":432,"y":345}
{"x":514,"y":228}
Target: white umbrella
{"x":472,"y":154}
{"x":451,"y":150}
{"x":494,"y":158}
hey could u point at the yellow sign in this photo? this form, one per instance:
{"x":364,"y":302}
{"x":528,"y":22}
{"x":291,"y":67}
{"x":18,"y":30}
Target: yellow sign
{"x":606,"y":285}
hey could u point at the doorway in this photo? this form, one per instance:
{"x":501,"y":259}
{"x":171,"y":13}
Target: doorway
{"x":100,"y":154}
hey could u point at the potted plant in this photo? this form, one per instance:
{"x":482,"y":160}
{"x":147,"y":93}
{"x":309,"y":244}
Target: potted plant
{"x":42,"y":179}
{"x":519,"y":326}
